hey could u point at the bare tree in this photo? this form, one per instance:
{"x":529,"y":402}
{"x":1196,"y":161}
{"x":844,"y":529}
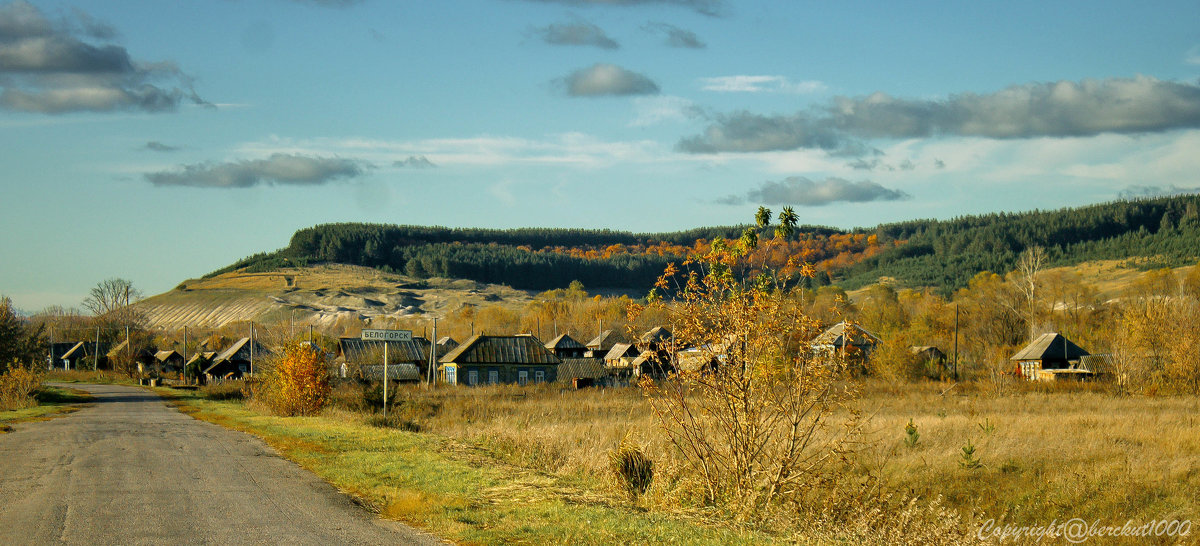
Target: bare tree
{"x":112,"y":302}
{"x":1030,"y":265}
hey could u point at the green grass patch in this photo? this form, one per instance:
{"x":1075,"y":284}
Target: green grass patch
{"x":52,"y":401}
{"x":458,"y":491}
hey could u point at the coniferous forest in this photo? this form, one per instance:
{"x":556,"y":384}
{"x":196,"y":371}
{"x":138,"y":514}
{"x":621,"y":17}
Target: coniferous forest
{"x":944,"y":254}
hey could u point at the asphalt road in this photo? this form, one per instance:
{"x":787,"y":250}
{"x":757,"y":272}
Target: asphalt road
{"x":133,"y":470}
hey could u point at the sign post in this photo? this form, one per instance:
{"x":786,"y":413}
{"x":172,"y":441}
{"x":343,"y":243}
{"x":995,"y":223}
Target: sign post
{"x":386,"y":336}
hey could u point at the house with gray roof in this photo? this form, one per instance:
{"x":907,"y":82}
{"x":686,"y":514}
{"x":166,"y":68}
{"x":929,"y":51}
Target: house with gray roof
{"x":483,"y":359}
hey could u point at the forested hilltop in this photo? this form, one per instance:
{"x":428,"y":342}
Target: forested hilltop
{"x":934,"y":253}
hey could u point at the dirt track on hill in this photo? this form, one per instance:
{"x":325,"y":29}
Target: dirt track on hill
{"x":132,"y":470}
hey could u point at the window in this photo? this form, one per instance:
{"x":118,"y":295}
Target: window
{"x":472,"y":377}
{"x":539,"y":376}
{"x":522,"y":377}
{"x":493,"y":377}
{"x":451,"y":374}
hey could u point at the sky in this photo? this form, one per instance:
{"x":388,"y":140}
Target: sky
{"x":158,"y":140}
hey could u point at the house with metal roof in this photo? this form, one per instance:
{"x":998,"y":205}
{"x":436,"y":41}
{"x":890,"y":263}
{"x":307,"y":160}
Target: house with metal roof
{"x":1049,"y":356}
{"x":584,"y":372}
{"x":603,"y":343}
{"x":358,"y":354}
{"x":483,"y":359}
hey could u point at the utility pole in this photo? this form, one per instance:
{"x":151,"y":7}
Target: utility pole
{"x":128,"y":350}
{"x":310,"y":341}
{"x":251,"y":347}
{"x":185,"y":358}
{"x":433,"y":356}
{"x":51,"y":347}
{"x":956,"y":342}
{"x":96,"y":357}
{"x":385,"y":377}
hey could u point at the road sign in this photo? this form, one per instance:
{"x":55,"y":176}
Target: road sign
{"x":387,"y":335}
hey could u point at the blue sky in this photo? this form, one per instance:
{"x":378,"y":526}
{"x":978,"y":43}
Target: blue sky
{"x":159,"y":140}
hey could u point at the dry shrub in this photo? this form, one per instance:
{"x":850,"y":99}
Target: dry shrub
{"x":226,"y":390}
{"x":633,"y":469}
{"x":297,"y":384}
{"x":17,"y":387}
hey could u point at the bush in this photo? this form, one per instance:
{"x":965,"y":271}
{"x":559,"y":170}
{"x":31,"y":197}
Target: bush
{"x":17,"y":388}
{"x":633,"y":469}
{"x":298,"y":384}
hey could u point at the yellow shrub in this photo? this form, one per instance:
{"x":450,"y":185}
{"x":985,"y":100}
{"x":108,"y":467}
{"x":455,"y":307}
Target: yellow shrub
{"x":17,"y":387}
{"x":298,"y":384}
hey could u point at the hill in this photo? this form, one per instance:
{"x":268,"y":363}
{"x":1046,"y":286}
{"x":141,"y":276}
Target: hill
{"x":320,"y":295}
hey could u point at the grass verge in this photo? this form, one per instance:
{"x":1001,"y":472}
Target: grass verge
{"x":52,"y":401}
{"x":454,"y":490}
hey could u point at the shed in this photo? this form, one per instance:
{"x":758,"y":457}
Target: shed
{"x":583,"y":372}
{"x":516,"y":359}
{"x":1050,"y":351}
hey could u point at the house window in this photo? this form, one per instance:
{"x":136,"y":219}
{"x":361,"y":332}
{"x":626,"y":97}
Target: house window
{"x":539,"y":376}
{"x":522,"y":377}
{"x":493,"y":377}
{"x":451,"y":374}
{"x":472,"y":377}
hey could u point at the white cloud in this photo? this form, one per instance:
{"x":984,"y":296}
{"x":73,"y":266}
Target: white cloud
{"x":760,"y":84}
{"x":661,"y":109}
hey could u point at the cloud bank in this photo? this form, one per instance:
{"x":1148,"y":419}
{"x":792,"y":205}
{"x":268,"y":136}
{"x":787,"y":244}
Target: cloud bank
{"x":576,"y":34}
{"x":1057,"y":109}
{"x":798,"y":190}
{"x":289,"y":169}
{"x":608,"y":80}
{"x":49,"y":68}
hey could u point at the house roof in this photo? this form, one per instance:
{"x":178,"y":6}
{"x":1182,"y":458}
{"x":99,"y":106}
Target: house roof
{"x":656,"y":334}
{"x":518,"y":349}
{"x":1050,"y":346}
{"x":237,"y":347}
{"x":834,"y":336}
{"x":162,"y":356}
{"x":75,"y":351}
{"x":353,"y":349}
{"x":620,"y":350}
{"x":447,"y":341}
{"x":606,"y":340}
{"x":396,"y":372}
{"x":564,"y":342}
{"x":592,"y":368}
{"x":201,"y":356}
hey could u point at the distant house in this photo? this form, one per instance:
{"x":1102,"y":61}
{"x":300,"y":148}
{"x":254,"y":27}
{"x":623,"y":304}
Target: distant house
{"x":169,"y":361}
{"x":79,"y":356}
{"x":603,"y":343}
{"x":565,"y":346}
{"x":445,"y":345}
{"x":199,"y":362}
{"x":1049,"y":356}
{"x":843,"y":339}
{"x":483,"y":359}
{"x":358,"y":354}
{"x":657,"y":355}
{"x":621,"y":355}
{"x":236,"y":361}
{"x":143,"y":357}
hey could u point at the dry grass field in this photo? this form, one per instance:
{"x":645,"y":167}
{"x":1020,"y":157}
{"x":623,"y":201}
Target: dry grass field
{"x":1044,"y":453}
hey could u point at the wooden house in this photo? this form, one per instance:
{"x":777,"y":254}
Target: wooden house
{"x":599,"y":346}
{"x":445,"y":345}
{"x":843,"y":339}
{"x":235,"y":361}
{"x":1049,"y":356}
{"x":169,"y":361}
{"x":80,"y":356}
{"x":657,"y":355}
{"x":565,"y":346}
{"x":198,"y":362}
{"x":483,"y":359}
{"x":143,"y":358}
{"x":357,"y":354}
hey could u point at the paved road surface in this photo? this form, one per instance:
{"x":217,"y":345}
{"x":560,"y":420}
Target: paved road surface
{"x":132,"y":470}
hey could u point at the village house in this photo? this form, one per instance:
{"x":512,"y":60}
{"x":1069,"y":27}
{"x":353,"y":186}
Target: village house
{"x":600,"y":346}
{"x":235,"y":361}
{"x":484,"y":359}
{"x":565,"y":346}
{"x":169,"y":361}
{"x":849,"y":342}
{"x":1049,"y":357}
{"x":584,"y":372}
{"x":357,"y":357}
